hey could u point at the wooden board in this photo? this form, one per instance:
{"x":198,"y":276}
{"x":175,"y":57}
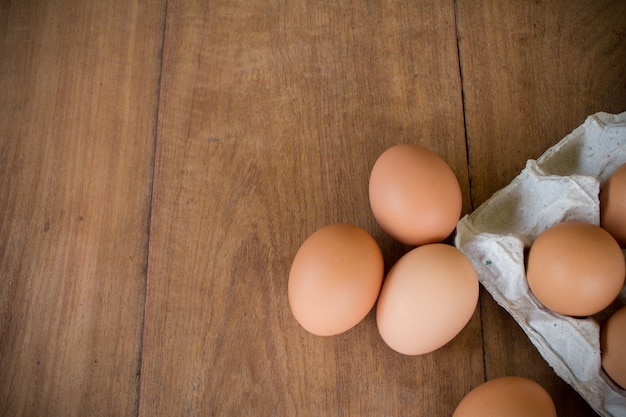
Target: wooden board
{"x":162,"y":161}
{"x":78,"y":103}
{"x":272,"y":115}
{"x":532,"y":72}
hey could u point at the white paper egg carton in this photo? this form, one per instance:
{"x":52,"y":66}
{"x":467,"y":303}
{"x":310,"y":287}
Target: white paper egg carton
{"x":561,"y":185}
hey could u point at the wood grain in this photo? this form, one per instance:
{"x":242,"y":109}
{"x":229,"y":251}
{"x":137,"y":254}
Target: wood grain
{"x":532,"y":72}
{"x":272,"y":115}
{"x":162,"y":161}
{"x":78,"y":100}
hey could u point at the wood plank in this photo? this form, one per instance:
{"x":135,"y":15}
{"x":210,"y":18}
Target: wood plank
{"x":78,"y":100}
{"x":532,"y":72}
{"x":272,"y":115}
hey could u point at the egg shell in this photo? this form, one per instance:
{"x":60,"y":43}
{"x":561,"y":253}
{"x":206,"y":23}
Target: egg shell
{"x":427,"y":298}
{"x":335,"y":279}
{"x":509,"y":396}
{"x":613,"y":346}
{"x":575,"y":268}
{"x":613,"y":205}
{"x":414,"y":195}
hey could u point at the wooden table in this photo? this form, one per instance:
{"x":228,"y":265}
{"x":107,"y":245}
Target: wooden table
{"x":161,"y":161}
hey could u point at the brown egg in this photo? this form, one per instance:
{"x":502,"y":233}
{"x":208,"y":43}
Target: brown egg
{"x":414,"y":195}
{"x":575,"y":269}
{"x":509,"y":396}
{"x":428,"y":297}
{"x":335,"y":279}
{"x":613,"y":346}
{"x":613,"y":205}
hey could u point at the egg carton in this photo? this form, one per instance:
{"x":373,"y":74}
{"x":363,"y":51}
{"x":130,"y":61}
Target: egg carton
{"x":562,"y":185}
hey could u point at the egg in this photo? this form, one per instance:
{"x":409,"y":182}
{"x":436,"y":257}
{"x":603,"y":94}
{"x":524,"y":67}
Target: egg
{"x":510,"y":396}
{"x":414,"y":195}
{"x":613,"y":205}
{"x":613,"y":346}
{"x":335,"y":279}
{"x":575,"y":268}
{"x":427,"y":298}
